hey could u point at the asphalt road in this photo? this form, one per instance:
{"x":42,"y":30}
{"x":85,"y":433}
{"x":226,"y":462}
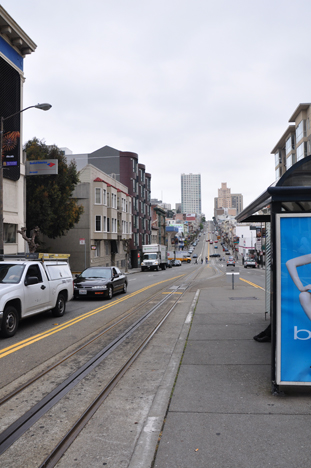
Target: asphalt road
{"x":42,"y":337}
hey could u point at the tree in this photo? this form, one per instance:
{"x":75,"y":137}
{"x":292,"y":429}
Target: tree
{"x":30,"y":240}
{"x":48,"y":197}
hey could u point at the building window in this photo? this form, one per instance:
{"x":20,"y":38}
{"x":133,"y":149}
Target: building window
{"x":108,"y":224}
{"x":9,"y":233}
{"x":300,"y":130}
{"x":98,"y":224}
{"x":289,"y":146}
{"x":114,"y":225}
{"x":301,"y":151}
{"x":105,"y":223}
{"x":289,"y":162}
{"x":98,"y":196}
{"x":104,"y":196}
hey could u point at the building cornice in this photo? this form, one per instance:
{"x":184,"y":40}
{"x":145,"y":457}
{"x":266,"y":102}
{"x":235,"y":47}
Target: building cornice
{"x":13,"y":34}
{"x":281,"y":143}
{"x":301,"y":107}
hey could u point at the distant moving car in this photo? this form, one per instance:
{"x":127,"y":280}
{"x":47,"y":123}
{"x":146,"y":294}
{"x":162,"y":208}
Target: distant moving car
{"x":176,"y":263}
{"x":194,"y":256}
{"x":215,"y":255}
{"x":230,"y":261}
{"x":99,"y":282}
{"x":250,"y":262}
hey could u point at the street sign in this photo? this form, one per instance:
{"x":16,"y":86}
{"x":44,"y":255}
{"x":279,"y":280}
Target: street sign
{"x":82,"y":241}
{"x":40,"y":167}
{"x":231,"y":273}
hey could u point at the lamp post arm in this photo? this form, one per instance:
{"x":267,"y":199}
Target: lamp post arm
{"x":15,"y":113}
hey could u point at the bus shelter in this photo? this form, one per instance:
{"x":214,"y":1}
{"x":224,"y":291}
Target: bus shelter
{"x":285,"y":207}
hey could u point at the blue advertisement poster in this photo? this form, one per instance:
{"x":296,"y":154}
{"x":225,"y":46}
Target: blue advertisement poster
{"x":293,"y":299}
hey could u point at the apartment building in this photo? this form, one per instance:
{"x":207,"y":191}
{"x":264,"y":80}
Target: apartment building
{"x":191,"y":193}
{"x":123,"y":166}
{"x":295,"y":143}
{"x":226,"y":202}
{"x":102,"y":236}
{"x":158,"y":222}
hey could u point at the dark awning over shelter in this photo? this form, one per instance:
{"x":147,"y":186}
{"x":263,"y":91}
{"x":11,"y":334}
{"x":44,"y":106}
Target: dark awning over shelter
{"x":292,"y":190}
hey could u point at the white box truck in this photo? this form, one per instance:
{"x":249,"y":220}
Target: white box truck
{"x":154,"y":257}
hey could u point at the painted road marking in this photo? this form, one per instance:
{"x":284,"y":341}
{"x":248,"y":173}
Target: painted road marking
{"x":252,"y":284}
{"x":22,"y":344}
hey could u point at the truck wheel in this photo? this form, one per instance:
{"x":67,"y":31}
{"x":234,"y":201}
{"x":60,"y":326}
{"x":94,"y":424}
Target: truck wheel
{"x":142,"y":269}
{"x":109,"y":292}
{"x":9,"y":322}
{"x":158,"y":268}
{"x":60,"y":307}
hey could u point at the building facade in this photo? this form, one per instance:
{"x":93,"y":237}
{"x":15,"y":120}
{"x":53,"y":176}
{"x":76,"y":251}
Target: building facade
{"x":14,"y":46}
{"x":158,"y":222}
{"x":295,"y":143}
{"x":191,"y":193}
{"x":226,"y":202}
{"x":103,"y":234}
{"x":125,"y":168}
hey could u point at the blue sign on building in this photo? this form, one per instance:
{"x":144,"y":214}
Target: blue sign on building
{"x":293,"y":299}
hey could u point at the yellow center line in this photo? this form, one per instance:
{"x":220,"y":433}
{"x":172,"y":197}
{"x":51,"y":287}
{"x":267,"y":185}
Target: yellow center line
{"x":22,"y":344}
{"x":252,"y":284}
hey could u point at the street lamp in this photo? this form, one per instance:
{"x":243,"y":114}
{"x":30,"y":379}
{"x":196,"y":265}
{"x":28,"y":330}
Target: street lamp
{"x":43,"y":106}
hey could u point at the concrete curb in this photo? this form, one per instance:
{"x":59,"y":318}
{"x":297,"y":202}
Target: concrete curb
{"x":146,"y":445}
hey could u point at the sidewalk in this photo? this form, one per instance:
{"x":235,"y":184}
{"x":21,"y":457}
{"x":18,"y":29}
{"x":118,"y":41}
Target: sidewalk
{"x":222,"y":413}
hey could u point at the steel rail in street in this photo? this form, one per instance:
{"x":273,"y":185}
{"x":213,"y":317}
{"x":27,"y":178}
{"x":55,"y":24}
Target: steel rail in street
{"x":112,"y":324}
{"x":22,"y":424}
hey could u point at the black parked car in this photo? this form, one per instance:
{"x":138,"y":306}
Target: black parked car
{"x":99,"y":282}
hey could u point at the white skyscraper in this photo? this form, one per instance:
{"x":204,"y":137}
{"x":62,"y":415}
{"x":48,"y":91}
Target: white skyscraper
{"x":191,"y":193}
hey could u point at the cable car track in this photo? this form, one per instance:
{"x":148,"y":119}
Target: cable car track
{"x":22,"y":424}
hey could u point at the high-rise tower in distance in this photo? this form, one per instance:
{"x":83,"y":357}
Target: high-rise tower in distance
{"x":191,"y":193}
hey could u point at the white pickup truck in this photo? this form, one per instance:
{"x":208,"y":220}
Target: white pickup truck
{"x":29,"y":286}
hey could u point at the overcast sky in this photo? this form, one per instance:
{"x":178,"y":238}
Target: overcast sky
{"x":192,"y":86}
